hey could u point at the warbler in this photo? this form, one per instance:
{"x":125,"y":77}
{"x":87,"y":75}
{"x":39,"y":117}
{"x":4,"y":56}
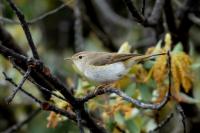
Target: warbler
{"x":105,"y":67}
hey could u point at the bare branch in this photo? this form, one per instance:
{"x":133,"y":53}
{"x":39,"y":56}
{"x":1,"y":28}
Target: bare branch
{"x":25,"y":28}
{"x":10,"y":21}
{"x":48,"y":91}
{"x":8,"y":52}
{"x":43,"y":71}
{"x":16,"y":127}
{"x":28,"y":94}
{"x":139,"y":18}
{"x":180,"y":110}
{"x":194,"y":19}
{"x":10,"y":98}
{"x":46,"y":14}
{"x":126,"y":97}
{"x":156,"y":13}
{"x":44,"y":105}
{"x":34,"y":20}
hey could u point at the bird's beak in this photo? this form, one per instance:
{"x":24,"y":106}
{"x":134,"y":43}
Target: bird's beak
{"x":68,"y":58}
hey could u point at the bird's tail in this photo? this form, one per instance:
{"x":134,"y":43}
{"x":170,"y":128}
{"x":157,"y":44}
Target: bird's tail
{"x":141,"y":58}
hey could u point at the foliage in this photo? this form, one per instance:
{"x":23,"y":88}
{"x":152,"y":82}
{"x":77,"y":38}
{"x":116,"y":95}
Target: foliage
{"x":146,"y":81}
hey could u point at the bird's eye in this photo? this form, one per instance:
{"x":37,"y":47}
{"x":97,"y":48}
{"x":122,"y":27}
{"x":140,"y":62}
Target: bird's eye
{"x":80,"y":57}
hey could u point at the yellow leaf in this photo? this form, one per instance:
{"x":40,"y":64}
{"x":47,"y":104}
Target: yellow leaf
{"x":176,"y":77}
{"x":160,"y":69}
{"x":125,"y":48}
{"x":168,"y":42}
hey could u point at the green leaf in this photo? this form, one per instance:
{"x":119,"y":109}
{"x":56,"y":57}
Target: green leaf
{"x":132,"y":126}
{"x":178,"y":48}
{"x":131,"y":90}
{"x":119,"y":118}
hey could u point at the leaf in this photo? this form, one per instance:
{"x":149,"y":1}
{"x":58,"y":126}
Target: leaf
{"x":132,"y":127}
{"x":178,"y":48}
{"x":125,"y":48}
{"x":119,"y":118}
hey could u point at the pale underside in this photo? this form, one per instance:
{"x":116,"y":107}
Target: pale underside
{"x":106,"y":73}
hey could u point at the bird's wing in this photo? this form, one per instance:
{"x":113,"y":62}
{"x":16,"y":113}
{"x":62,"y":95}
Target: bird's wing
{"x":110,"y":58}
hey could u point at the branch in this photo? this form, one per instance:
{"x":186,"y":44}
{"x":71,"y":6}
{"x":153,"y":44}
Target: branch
{"x":180,"y":110}
{"x":43,"y":70}
{"x":156,"y":13}
{"x":39,"y":18}
{"x":34,"y":20}
{"x":17,"y":126}
{"x":7,"y":53}
{"x":139,"y":18}
{"x":10,"y":98}
{"x":22,"y":90}
{"x":106,"y":12}
{"x":9,"y":21}
{"x":194,"y":19}
{"x":7,"y":40}
{"x":163,"y":123}
{"x":126,"y":97}
{"x":43,"y":105}
{"x":25,"y":28}
{"x":48,"y":91}
{"x":45,"y":75}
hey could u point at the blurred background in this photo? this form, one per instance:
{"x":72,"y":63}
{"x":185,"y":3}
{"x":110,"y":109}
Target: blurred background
{"x":97,"y":25}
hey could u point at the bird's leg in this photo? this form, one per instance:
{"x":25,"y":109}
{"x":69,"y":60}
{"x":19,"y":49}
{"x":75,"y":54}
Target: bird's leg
{"x":103,"y":86}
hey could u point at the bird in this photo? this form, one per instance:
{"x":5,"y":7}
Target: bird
{"x":106,"y":67}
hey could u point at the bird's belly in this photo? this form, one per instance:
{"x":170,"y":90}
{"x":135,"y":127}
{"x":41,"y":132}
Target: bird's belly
{"x":107,"y":73}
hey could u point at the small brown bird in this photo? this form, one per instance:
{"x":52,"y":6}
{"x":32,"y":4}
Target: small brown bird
{"x":105,"y":67}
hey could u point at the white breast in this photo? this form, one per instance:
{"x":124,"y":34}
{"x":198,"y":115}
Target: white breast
{"x":106,"y":73}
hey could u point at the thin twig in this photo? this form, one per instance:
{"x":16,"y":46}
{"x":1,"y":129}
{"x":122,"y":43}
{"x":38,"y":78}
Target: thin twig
{"x":43,"y":105}
{"x":37,"y":19}
{"x":169,"y":71}
{"x":19,"y":125}
{"x":25,"y":28}
{"x":9,"y":21}
{"x":40,"y":69}
{"x":180,"y":110}
{"x":10,"y":98}
{"x":28,"y":94}
{"x":10,"y":53}
{"x":163,"y":123}
{"x":47,"y":14}
{"x":48,"y":91}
